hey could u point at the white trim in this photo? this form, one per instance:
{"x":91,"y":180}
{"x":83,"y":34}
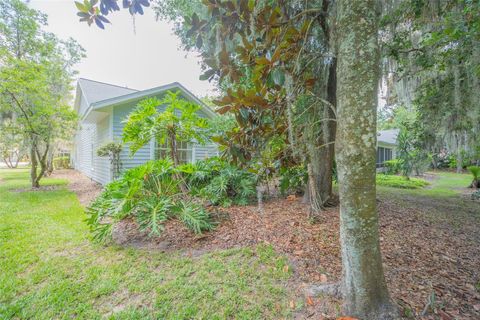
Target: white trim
{"x":141,"y":94}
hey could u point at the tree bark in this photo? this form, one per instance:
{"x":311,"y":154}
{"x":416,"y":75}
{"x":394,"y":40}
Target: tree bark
{"x":365,"y":291}
{"x":34,"y":164}
{"x":320,"y":169}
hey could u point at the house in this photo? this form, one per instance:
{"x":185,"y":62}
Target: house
{"x":102,"y":107}
{"x":386,"y":146}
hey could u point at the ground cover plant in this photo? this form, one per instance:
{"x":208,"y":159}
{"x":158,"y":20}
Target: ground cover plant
{"x":400,"y":182}
{"x":52,"y":270}
{"x":151,"y":194}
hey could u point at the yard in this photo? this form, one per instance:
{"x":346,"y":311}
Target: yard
{"x":251,"y":267}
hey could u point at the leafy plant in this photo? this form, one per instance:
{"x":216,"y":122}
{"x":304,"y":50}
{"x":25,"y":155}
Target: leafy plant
{"x":61,"y":163}
{"x":293,"y":180}
{"x":219,"y":182}
{"x":112,"y":150}
{"x":392,"y":166}
{"x":475,"y":171}
{"x":150,"y":194}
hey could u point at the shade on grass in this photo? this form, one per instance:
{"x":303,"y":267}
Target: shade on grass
{"x":50,"y":269}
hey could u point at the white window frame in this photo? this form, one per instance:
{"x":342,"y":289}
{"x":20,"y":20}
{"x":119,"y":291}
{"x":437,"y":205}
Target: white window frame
{"x":182,"y":146}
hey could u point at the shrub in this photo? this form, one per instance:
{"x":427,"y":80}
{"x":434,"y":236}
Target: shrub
{"x":150,"y":194}
{"x":475,"y":170}
{"x":61,"y":163}
{"x":392,"y":166}
{"x":219,"y":182}
{"x":112,"y":150}
{"x":400,"y":182}
{"x":293,"y":180}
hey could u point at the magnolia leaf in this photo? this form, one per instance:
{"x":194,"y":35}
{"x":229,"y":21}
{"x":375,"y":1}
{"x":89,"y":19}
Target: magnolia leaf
{"x":81,"y":7}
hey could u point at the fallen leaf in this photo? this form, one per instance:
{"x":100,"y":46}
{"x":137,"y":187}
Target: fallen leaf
{"x":292,"y":197}
{"x":285,"y":268}
{"x":310,"y":301}
{"x":292,"y":304}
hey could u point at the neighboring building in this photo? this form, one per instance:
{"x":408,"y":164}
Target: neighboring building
{"x":102,"y":107}
{"x":386,"y":146}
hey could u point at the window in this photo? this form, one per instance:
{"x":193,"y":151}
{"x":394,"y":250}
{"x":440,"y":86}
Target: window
{"x":383,"y":154}
{"x":184,"y":151}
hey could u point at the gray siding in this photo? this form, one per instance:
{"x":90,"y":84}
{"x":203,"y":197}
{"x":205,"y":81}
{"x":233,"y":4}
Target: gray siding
{"x":88,"y":139}
{"x":120,"y":113}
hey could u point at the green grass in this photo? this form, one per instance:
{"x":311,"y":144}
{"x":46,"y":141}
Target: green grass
{"x":400,"y":182}
{"x":444,"y":184}
{"x":51,"y":269}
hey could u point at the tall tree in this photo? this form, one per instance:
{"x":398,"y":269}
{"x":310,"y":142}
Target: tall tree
{"x":364,"y":287}
{"x":36,"y":69}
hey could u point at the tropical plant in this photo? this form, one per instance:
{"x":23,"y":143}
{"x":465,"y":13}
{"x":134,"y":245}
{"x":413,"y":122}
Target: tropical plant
{"x":220,"y":183}
{"x":179,"y":122}
{"x":475,"y":171}
{"x":151,"y":194}
{"x":112,"y":150}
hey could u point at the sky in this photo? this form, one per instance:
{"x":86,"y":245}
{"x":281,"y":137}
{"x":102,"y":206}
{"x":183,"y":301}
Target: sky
{"x":149,"y":57}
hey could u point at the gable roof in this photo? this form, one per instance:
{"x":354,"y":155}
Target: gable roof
{"x":94,"y":91}
{"x":388,"y":136}
{"x":137,"y":95}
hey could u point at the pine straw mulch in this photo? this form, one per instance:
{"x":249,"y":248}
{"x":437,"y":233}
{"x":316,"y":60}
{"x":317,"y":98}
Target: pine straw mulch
{"x":430,"y":249}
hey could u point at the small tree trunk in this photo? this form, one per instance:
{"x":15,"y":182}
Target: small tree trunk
{"x":34,"y":164}
{"x":364,"y":287}
{"x":49,"y":162}
{"x":42,"y":160}
{"x":174,"y":155}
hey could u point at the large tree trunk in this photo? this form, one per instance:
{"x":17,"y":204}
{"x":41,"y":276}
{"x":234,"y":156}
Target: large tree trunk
{"x":364,"y":287}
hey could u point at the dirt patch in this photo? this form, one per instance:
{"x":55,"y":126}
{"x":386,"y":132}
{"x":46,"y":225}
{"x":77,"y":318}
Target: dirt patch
{"x":85,"y":188}
{"x":430,"y":249}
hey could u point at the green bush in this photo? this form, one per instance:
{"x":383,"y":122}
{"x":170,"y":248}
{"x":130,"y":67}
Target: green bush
{"x":219,"y":182}
{"x":400,"y":182}
{"x":393,"y":166}
{"x":293,"y":180}
{"x":150,"y":194}
{"x":475,"y":170}
{"x":61,"y":163}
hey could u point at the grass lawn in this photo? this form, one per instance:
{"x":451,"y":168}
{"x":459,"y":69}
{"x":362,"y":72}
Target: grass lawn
{"x":444,"y":184}
{"x":51,"y":269}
